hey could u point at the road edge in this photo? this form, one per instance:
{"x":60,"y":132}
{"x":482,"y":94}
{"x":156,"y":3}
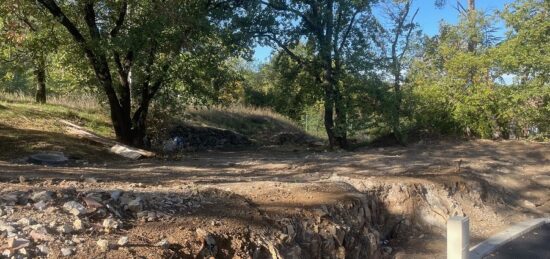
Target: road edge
{"x":496,"y":241}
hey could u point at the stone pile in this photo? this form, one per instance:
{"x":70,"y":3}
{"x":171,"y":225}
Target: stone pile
{"x":192,"y":138}
{"x":32,"y":222}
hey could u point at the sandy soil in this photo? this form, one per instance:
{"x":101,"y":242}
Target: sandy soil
{"x":230,"y":193}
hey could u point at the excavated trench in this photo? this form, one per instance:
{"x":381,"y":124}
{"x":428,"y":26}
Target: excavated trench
{"x":335,"y":217}
{"x":367,"y":220}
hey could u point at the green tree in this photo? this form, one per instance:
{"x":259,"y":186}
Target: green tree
{"x":524,"y":55}
{"x":336,"y":35}
{"x":461,"y":80}
{"x":283,"y":85}
{"x":136,"y":47}
{"x":399,"y":35}
{"x":27,"y":40}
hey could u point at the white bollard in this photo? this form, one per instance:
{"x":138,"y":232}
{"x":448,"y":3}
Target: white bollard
{"x":458,"y":237}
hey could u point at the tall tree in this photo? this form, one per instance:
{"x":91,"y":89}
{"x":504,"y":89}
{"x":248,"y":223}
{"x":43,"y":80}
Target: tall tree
{"x":524,"y":54}
{"x":27,"y":40}
{"x":460,"y":81}
{"x":133,"y":46}
{"x":469,"y":12}
{"x":398,"y":37}
{"x":333,"y":31}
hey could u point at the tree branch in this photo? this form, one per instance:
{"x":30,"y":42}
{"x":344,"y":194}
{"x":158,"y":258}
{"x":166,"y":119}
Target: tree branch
{"x":304,"y":17}
{"x":89,"y":16}
{"x":31,"y":26}
{"x":407,"y":38}
{"x":285,"y":48}
{"x":64,"y":20}
{"x":98,"y":62}
{"x":348,"y":30}
{"x":120,"y":20}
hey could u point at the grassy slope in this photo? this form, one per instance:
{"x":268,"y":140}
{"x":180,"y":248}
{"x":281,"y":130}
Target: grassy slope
{"x":257,"y":124}
{"x":26,"y":127}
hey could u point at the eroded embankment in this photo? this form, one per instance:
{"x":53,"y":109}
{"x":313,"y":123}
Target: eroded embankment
{"x":337,"y":217}
{"x":359,"y":219}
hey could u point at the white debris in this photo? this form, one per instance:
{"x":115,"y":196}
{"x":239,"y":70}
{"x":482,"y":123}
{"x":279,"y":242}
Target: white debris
{"x":74,"y":208}
{"x":123,"y":241}
{"x":110,"y":223}
{"x":103,"y":245}
{"x":67,"y":251}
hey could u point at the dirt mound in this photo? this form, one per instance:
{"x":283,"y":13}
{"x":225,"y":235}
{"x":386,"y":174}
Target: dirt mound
{"x":260,"y":126}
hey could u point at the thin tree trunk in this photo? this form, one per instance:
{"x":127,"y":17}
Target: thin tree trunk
{"x":335,"y":126}
{"x":471,"y":5}
{"x":471,"y":15}
{"x":40,"y":74}
{"x":396,"y":125}
{"x":341,"y":120}
{"x":328,"y":117}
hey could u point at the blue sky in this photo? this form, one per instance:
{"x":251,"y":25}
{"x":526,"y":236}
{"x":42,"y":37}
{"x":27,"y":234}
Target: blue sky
{"x":428,"y":18}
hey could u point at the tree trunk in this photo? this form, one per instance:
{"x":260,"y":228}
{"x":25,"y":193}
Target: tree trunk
{"x":335,"y":114}
{"x":472,"y":43}
{"x":396,"y":125}
{"x":121,"y":124}
{"x":335,"y":127}
{"x":329,"y":113}
{"x":120,"y":109}
{"x":341,"y":120}
{"x":471,"y":5}
{"x":40,"y":74}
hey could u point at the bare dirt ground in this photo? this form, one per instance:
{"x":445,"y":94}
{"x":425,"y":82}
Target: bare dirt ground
{"x":276,"y":202}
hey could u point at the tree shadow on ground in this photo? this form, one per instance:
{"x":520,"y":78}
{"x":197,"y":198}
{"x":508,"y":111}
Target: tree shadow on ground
{"x":19,"y":143}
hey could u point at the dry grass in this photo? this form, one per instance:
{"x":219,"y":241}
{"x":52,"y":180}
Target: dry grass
{"x":76,"y":101}
{"x":259,"y":124}
{"x":213,"y":113}
{"x":20,"y":111}
{"x":27,"y":127}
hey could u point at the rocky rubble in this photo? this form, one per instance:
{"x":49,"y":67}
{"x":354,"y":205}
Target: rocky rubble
{"x":80,"y":218}
{"x":35,"y":222}
{"x":70,"y":221}
{"x":193,"y":138}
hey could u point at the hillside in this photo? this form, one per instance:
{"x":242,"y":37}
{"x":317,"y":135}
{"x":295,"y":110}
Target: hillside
{"x":227,"y":127}
{"x":27,"y":127}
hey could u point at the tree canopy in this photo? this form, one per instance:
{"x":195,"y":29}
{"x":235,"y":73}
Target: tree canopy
{"x":358,"y":69}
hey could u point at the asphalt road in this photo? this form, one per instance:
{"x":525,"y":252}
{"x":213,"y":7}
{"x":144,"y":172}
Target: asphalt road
{"x":533,"y":245}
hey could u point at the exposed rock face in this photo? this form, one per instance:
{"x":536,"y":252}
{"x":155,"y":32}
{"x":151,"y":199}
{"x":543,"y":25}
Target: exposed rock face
{"x":344,"y":230}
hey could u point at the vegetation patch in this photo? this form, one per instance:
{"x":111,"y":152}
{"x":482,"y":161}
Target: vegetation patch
{"x":26,"y":128}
